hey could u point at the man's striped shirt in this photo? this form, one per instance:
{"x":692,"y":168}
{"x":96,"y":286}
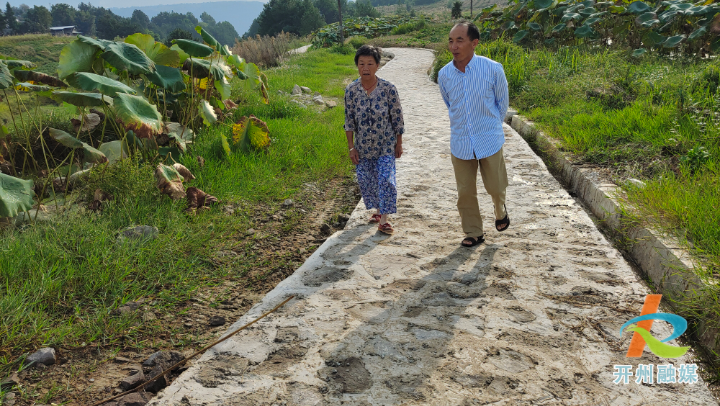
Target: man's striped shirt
{"x":477,"y":101}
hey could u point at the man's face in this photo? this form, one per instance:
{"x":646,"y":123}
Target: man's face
{"x":460,"y":44}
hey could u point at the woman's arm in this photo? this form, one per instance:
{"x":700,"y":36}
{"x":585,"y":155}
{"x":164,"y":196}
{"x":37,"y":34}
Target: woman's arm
{"x":354,"y":156}
{"x":398,"y":146}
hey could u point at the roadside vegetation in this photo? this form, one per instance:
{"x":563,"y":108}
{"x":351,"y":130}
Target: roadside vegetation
{"x":65,"y":275}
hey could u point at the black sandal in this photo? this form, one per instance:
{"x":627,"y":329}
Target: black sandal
{"x":504,"y":222}
{"x":473,"y":241}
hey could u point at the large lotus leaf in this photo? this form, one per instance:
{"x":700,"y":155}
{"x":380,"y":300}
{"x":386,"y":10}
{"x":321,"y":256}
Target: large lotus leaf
{"x":715,"y":46}
{"x":673,"y":41}
{"x":167,"y":78}
{"x":251,"y":133}
{"x":207,"y":113}
{"x":650,"y":23}
{"x":588,"y":11}
{"x":559,"y":27}
{"x":182,"y":55}
{"x":192,"y":48}
{"x":697,"y":33}
{"x":30,"y":87}
{"x":639,"y":7}
{"x":202,"y":68}
{"x":156,"y":51}
{"x":169,"y":181}
{"x":508,"y":25}
{"x":103,"y":84}
{"x":520,"y":35}
{"x":603,"y":4}
{"x":598,"y":14}
{"x":584,"y":31}
{"x":559,"y":11}
{"x":680,"y":7}
{"x":38,"y":77}
{"x":550,"y":41}
{"x":16,"y":195}
{"x":81,"y":99}
{"x":646,"y":17}
{"x":181,"y":134}
{"x":77,"y":56}
{"x":652,"y":38}
{"x":570,"y":16}
{"x":667,"y":16}
{"x":543,"y":3}
{"x":99,"y":43}
{"x":238,"y":63}
{"x":699,"y":10}
{"x":91,"y":154}
{"x":6,"y":78}
{"x":588,"y":3}
{"x":639,"y":52}
{"x":223,"y":87}
{"x":535,"y":26}
{"x":128,"y":57}
{"x":13,"y":64}
{"x":617,"y":9}
{"x":114,"y":150}
{"x":138,"y":115}
{"x":591,"y":21}
{"x":212,"y":41}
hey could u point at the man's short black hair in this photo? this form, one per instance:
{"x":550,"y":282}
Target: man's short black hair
{"x":368,"y":50}
{"x":472,"y":29}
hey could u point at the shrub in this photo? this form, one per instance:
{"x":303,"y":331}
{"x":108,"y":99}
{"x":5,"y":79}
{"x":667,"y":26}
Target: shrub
{"x":265,"y":51}
{"x":357,"y":41}
{"x":343,"y":49}
{"x":456,"y":11}
{"x":441,"y":60}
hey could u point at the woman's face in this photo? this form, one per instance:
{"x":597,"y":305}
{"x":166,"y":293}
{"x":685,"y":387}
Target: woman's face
{"x":367,"y":67}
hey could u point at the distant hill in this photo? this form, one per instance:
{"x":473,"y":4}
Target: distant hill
{"x":238,"y":13}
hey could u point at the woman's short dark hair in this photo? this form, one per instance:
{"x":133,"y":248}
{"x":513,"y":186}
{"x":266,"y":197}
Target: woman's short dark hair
{"x":472,"y":29}
{"x":368,"y":50}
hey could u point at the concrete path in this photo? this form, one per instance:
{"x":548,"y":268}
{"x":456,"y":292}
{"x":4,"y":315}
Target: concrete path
{"x":530,"y":317}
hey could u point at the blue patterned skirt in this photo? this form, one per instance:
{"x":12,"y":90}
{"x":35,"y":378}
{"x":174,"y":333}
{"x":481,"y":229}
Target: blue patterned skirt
{"x":376,"y":178}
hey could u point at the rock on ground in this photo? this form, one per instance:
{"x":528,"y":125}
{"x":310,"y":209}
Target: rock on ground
{"x":530,"y":317}
{"x":44,"y":356}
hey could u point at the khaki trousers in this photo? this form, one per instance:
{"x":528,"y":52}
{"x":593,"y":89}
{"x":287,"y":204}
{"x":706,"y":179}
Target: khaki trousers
{"x":494,"y":176}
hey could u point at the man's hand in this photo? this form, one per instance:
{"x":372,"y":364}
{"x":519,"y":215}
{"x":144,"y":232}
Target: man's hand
{"x":354,"y":156}
{"x":398,"y":149}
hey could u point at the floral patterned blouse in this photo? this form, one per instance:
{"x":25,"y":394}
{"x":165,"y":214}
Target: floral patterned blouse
{"x":376,"y":119}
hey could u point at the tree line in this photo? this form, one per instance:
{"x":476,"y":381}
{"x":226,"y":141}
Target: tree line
{"x":103,"y":23}
{"x":301,"y":17}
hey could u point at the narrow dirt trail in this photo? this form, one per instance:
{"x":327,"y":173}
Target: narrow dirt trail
{"x":530,"y":317}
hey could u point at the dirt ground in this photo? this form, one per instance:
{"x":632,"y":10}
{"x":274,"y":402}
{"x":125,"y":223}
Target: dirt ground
{"x":284,"y":236}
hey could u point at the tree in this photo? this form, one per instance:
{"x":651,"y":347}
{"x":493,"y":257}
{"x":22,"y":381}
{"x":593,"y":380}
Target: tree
{"x":280,"y":15}
{"x":207,"y":18}
{"x":10,"y":18}
{"x":141,"y":19}
{"x":37,"y":19}
{"x":3,"y":22}
{"x":62,"y":15}
{"x":311,"y":18}
{"x":365,"y":8}
{"x":177,"y":33}
{"x":253,"y":30}
{"x":330,"y":9}
{"x":341,"y":33}
{"x":224,"y":32}
{"x":456,"y":11}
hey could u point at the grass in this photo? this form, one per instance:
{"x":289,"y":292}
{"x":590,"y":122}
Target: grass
{"x":655,"y":119}
{"x":41,"y":49}
{"x":60,"y":281}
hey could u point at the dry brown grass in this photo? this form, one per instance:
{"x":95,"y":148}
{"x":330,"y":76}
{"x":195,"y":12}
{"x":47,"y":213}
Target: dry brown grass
{"x":265,"y":51}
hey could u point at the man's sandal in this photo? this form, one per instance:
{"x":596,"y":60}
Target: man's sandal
{"x":473,"y":241}
{"x":502,"y":225}
{"x":385,"y":228}
{"x":375,"y":218}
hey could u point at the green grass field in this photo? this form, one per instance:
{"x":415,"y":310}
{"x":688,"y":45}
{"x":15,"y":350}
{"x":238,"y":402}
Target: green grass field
{"x":60,"y":281}
{"x":40,"y":49}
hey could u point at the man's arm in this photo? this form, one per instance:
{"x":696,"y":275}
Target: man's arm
{"x":502,"y":96}
{"x":443,"y":92}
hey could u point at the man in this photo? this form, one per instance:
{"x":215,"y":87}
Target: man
{"x":475,"y":91}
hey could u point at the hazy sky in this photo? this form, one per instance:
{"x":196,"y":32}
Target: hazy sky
{"x":110,"y":3}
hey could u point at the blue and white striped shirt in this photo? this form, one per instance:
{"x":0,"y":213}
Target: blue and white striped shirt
{"x":477,"y":101}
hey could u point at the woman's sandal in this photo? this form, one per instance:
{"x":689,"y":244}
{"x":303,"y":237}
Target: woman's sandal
{"x":504,"y":222}
{"x":473,"y":241}
{"x":385,"y":228}
{"x":375,"y":218}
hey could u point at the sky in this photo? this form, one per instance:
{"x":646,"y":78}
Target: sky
{"x":111,"y":3}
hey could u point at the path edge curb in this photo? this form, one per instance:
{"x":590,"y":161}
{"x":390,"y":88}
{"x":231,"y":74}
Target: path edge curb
{"x":668,"y":267}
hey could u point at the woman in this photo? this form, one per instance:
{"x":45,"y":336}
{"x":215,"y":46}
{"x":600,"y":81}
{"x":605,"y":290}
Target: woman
{"x":374,"y":116}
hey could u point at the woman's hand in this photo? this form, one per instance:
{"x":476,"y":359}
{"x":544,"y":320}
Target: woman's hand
{"x":354,"y":156}
{"x":398,"y":149}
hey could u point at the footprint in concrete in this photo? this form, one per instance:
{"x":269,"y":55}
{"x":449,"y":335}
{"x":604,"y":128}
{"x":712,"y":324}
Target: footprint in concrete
{"x":520,"y":315}
{"x":511,"y":361}
{"x":346,"y":375}
{"x":325,"y":275}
